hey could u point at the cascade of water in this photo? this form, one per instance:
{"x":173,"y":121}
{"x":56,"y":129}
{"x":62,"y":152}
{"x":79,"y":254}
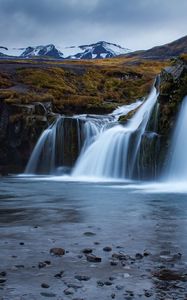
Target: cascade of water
{"x":114,"y":152}
{"x":60,"y":144}
{"x":176,"y":169}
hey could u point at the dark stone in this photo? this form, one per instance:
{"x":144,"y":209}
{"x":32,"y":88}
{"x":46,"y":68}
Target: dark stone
{"x":68,"y":291}
{"x":170,"y":275}
{"x":3,"y":274}
{"x":100,"y":283}
{"x":82,"y":277}
{"x":93,"y":258}
{"x":88,"y":233}
{"x":120,"y":256}
{"x":2,"y":280}
{"x":87,"y":250}
{"x":113,"y":263}
{"x":107,"y":249}
{"x":57,"y":251}
{"x":108,"y":283}
{"x":139,"y":256}
{"x":21,"y":243}
{"x":59,"y":275}
{"x":44,"y":285}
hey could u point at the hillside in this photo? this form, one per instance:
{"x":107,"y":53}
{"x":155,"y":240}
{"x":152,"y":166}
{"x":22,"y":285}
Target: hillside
{"x":166,"y":51}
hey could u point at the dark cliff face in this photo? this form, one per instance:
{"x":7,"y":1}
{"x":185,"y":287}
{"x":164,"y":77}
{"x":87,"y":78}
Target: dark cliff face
{"x":20,"y":128}
{"x":173,"y":89}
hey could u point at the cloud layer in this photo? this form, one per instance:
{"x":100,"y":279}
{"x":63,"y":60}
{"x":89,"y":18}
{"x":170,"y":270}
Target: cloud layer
{"x":136,"y":24}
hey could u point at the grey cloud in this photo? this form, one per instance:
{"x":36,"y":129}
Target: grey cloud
{"x":136,"y":22}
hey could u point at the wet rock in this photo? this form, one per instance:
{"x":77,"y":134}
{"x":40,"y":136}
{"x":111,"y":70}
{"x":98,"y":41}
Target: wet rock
{"x":138,"y":256}
{"x":146,"y":253}
{"x":93,"y":258}
{"x":119,"y":287}
{"x":82,"y":277}
{"x":2,"y":280}
{"x":113,"y":296}
{"x":57,"y":251}
{"x":44,"y":285}
{"x":113,"y":263}
{"x":100,"y":283}
{"x":59,"y":275}
{"x":69,"y":291}
{"x":108,"y":283}
{"x":107,"y":249}
{"x":170,"y":275}
{"x":48,"y":295}
{"x":74,"y":286}
{"x":3,"y":274}
{"x":87,"y":250}
{"x":89,"y":233}
{"x":120,"y":256}
{"x":22,"y":243}
{"x":19,"y":266}
{"x":148,"y":294}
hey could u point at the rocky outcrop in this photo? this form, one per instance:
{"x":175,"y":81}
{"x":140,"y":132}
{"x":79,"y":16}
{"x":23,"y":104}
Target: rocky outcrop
{"x":20,"y":128}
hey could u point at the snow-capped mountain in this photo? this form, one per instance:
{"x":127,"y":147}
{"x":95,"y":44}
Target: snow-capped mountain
{"x":49,"y":50}
{"x":93,"y":51}
{"x":98,"y":50}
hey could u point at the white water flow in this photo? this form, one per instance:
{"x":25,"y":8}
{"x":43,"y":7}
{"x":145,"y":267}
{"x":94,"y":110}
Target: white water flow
{"x":67,"y":138}
{"x":114,"y":152}
{"x":177,"y":166}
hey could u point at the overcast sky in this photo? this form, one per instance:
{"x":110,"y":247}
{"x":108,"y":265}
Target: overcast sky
{"x":135,"y":24}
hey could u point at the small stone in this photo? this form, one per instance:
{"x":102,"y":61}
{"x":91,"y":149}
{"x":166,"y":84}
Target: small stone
{"x":59,"y":275}
{"x":120,"y":256}
{"x":41,"y":265}
{"x":148,"y":294}
{"x":69,"y":291}
{"x":108,"y":283}
{"x":113,"y":263}
{"x":57,"y":251}
{"x":44,"y":285}
{"x":21,"y":243}
{"x":93,"y":258}
{"x":2,"y":280}
{"x":3,"y":274}
{"x":146,"y":253}
{"x":87,"y":250}
{"x":139,"y":256}
{"x":19,"y":266}
{"x":119,"y":287}
{"x":107,"y":249}
{"x":48,"y":295}
{"x":89,"y":233}
{"x":113,"y":296}
{"x":82,"y":277}
{"x":100,"y":283}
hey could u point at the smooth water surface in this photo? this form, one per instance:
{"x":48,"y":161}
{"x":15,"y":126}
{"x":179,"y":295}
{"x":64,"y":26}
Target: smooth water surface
{"x":43,"y":213}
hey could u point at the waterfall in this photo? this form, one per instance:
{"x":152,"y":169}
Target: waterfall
{"x":68,"y":138}
{"x":177,"y":165}
{"x":114,"y":153}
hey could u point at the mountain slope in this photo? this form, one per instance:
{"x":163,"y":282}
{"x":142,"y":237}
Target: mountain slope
{"x":170,"y":50}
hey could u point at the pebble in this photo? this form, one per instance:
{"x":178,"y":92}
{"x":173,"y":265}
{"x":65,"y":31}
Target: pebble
{"x":3,"y":274}
{"x":44,"y":285}
{"x":87,"y":250}
{"x":57,"y":251}
{"x":89,"y":233}
{"x":82,"y":277}
{"x":107,"y":249}
{"x":100,"y":283}
{"x":138,"y":256}
{"x":2,"y":280}
{"x":48,"y":295}
{"x":59,"y":275}
{"x":93,"y":258}
{"x":69,"y":291}
{"x":113,"y":263}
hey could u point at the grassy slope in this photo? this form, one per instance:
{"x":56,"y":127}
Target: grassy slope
{"x":78,"y":86}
